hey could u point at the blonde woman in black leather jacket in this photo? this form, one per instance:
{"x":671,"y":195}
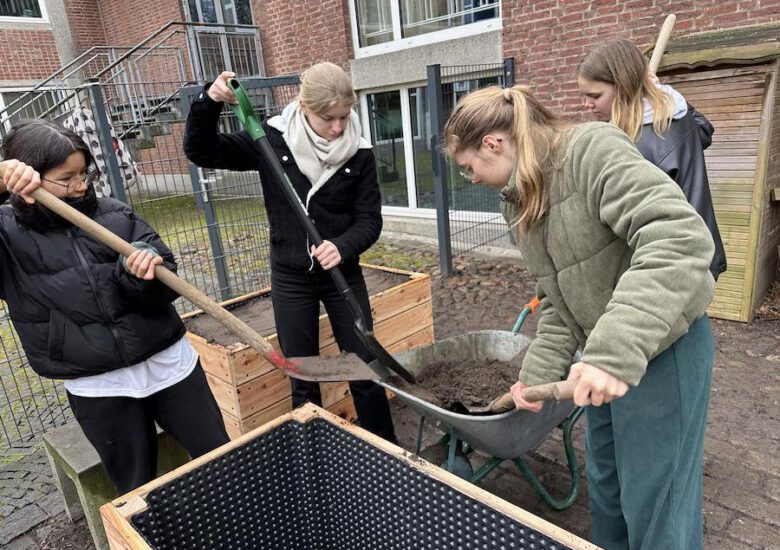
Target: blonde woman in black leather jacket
{"x":667,"y":131}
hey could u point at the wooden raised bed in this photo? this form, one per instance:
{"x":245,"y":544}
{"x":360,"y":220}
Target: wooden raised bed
{"x":273,"y":488}
{"x":250,"y":391}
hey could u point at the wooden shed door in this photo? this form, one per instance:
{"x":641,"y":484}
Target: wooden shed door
{"x":733,"y":101}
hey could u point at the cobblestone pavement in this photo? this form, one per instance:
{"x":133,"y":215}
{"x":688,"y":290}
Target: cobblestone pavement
{"x":742,"y":457}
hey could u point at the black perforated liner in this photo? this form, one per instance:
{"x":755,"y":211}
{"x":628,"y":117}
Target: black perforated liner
{"x":314,"y":486}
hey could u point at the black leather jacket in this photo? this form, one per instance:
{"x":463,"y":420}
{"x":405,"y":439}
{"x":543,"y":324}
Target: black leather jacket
{"x":680,"y":153}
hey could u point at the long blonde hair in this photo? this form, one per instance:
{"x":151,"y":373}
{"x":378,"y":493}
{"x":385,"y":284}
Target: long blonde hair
{"x":534,"y":129}
{"x":621,"y":64}
{"x":326,"y":85}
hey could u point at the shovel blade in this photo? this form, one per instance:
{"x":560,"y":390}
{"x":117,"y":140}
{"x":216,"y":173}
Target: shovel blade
{"x":332,"y":368}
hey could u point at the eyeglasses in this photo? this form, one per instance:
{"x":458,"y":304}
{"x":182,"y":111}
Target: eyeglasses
{"x":467,"y":173}
{"x":89,"y":178}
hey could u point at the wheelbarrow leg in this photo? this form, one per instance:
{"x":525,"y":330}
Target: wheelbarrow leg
{"x":420,"y":436}
{"x":566,"y":427}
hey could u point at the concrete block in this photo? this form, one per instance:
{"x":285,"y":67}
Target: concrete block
{"x":81,"y":479}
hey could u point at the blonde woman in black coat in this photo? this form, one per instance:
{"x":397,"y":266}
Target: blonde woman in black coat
{"x":317,"y":139}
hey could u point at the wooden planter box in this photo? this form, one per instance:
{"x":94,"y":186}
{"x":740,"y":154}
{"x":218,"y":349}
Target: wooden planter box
{"x":250,"y":391}
{"x":276,"y":488}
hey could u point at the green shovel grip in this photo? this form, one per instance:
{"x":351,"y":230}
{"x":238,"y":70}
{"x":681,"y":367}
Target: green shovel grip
{"x":244,"y":110}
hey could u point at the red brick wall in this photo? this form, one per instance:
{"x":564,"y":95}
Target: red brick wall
{"x":27,"y":54}
{"x":85,"y":24}
{"x":298,"y":33}
{"x":548,"y":38}
{"x":127,"y":23}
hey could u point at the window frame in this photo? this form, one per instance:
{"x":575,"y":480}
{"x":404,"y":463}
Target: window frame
{"x":400,"y":43}
{"x":44,"y":18}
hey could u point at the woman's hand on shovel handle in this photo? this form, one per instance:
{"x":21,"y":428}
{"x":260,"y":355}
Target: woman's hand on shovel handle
{"x":142,"y":263}
{"x":20,"y":179}
{"x":517,"y":395}
{"x":595,"y":386}
{"x":219,"y":91}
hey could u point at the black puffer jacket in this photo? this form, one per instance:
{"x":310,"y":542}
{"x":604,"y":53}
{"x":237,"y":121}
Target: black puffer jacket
{"x":680,"y":153}
{"x":75,"y":308}
{"x":347,"y":210}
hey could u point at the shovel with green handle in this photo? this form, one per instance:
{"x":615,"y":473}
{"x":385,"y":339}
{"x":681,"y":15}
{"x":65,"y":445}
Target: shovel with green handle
{"x":246,"y":115}
{"x":315,"y":369}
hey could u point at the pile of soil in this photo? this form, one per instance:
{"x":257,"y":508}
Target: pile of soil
{"x":456,"y":386}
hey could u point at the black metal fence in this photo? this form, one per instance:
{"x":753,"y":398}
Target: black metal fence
{"x":467,"y":215}
{"x":130,"y":107}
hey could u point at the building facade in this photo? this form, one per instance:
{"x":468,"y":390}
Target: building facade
{"x":385,"y":44}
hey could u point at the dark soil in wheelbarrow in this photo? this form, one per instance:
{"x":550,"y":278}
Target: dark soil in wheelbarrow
{"x":453,"y":386}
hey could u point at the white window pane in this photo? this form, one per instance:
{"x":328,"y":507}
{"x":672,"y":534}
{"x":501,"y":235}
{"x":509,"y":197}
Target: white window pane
{"x":20,"y":8}
{"x":424,"y":16}
{"x":384,"y":113}
{"x":374,"y":21}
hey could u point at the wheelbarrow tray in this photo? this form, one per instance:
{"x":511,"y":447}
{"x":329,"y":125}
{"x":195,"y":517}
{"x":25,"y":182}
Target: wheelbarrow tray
{"x":507,"y":435}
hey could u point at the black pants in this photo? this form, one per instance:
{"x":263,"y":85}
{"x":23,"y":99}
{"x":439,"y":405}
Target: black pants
{"x":296,"y":299}
{"x":122,"y":428}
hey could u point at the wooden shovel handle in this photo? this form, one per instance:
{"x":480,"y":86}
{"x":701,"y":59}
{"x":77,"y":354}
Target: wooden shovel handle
{"x":503,"y":403}
{"x":165,"y":276}
{"x":553,"y":391}
{"x":660,"y":44}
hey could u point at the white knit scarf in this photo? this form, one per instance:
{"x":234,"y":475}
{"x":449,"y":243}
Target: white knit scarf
{"x":315,"y":156}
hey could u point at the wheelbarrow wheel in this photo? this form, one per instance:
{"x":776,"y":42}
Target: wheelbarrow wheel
{"x":438,"y":454}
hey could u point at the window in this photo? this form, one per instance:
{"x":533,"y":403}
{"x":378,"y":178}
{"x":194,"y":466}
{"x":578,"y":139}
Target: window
{"x":420,"y":17}
{"x":400,"y":123}
{"x":384,"y":25}
{"x":30,"y":9}
{"x":215,"y":48}
{"x":385,"y":121}
{"x":235,"y":12}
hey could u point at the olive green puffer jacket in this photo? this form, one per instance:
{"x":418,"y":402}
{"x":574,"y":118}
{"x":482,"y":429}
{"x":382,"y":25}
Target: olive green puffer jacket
{"x":621,"y":259}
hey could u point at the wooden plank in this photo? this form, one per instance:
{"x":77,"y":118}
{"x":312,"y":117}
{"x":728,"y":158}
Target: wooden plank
{"x":214,"y":358}
{"x":120,"y":533}
{"x":400,"y":298}
{"x":224,"y":394}
{"x":762,"y":165}
{"x":712,"y":56}
{"x":248,"y":364}
{"x":262,"y":392}
{"x":344,"y":409}
{"x":333,"y":392}
{"x":232,"y":424}
{"x":274,"y":411}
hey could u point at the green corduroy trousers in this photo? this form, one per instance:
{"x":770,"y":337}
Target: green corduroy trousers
{"x":645,"y":452}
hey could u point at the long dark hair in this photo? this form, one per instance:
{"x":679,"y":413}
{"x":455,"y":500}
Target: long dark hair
{"x":42,"y":144}
{"x":45,"y":145}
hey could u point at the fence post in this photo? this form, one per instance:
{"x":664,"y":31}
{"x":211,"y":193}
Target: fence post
{"x":204,"y":200}
{"x":509,"y":72}
{"x":106,"y":142}
{"x":436,"y":105}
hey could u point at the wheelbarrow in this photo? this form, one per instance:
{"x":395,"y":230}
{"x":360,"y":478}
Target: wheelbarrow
{"x":504,"y":436}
